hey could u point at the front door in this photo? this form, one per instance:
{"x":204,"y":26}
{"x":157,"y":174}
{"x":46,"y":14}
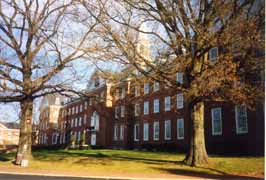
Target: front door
{"x":93,"y":139}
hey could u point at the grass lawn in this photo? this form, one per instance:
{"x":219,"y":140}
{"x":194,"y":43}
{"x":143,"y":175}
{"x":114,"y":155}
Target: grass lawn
{"x":135,"y":164}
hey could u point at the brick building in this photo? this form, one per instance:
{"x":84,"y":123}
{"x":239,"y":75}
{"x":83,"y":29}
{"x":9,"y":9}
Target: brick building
{"x":126,"y":114}
{"x":136,"y":114}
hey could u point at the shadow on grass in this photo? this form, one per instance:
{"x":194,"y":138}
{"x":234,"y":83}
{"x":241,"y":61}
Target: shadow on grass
{"x":61,"y":155}
{"x":204,"y":174}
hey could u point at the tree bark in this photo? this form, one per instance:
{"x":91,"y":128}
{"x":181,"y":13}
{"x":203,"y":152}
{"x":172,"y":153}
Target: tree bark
{"x":24,"y":146}
{"x":197,"y":154}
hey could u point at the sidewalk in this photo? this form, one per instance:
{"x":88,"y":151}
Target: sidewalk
{"x":42,"y":172}
{"x":107,"y":175}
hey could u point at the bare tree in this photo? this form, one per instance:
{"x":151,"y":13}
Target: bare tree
{"x":39,"y":40}
{"x":183,"y":33}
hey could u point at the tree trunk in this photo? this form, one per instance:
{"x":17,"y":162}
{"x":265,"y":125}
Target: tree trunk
{"x":197,"y":154}
{"x":24,"y":146}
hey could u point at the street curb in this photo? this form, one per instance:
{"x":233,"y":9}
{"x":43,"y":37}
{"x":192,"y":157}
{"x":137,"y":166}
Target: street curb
{"x":89,"y":177}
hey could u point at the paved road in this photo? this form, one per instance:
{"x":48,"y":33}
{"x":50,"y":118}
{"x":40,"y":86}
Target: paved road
{"x":30,"y":177}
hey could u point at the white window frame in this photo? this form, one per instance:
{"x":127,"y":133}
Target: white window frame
{"x":180,"y":101}
{"x":146,"y":88}
{"x":156,"y":86}
{"x":121,"y":132}
{"x":85,"y":105}
{"x":137,"y":91}
{"x":137,"y":109}
{"x":212,"y":113}
{"x":80,"y":108}
{"x":136,"y":136}
{"x":156,"y":105}
{"x":178,"y":128}
{"x":122,"y":109}
{"x":76,"y":122}
{"x":213,"y":59}
{"x":80,"y":121}
{"x":115,"y":133}
{"x":179,"y":77}
{"x":116,"y":111}
{"x":166,"y":99}
{"x":77,"y":109}
{"x":238,"y":130}
{"x":117,"y":96}
{"x":145,"y":131}
{"x":155,"y":133}
{"x":165,"y":128}
{"x":146,"y":108}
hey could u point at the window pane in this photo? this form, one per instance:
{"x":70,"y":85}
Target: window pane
{"x":216,"y":121}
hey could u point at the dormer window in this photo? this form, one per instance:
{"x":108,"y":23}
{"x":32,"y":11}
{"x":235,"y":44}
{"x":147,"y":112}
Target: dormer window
{"x":213,"y":54}
{"x":57,"y":101}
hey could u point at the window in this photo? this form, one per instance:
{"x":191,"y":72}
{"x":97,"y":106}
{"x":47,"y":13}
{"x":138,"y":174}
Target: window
{"x":72,"y":123}
{"x":80,"y":121}
{"x":85,"y":105}
{"x":73,"y":110}
{"x":115,"y":132}
{"x":241,"y":119}
{"x":137,"y":91}
{"x":78,"y":136}
{"x":179,"y":77}
{"x":54,"y":138}
{"x":121,"y":132}
{"x":180,"y":101}
{"x":136,"y":132}
{"x":76,"y":122}
{"x":117,"y":94}
{"x":77,"y":109}
{"x":213,"y":54}
{"x":167,"y":103}
{"x":180,"y":128}
{"x":216,"y":121}
{"x":146,"y":107}
{"x":156,"y":106}
{"x":57,"y":101}
{"x":80,"y":108}
{"x":156,"y":86}
{"x":137,"y":109}
{"x":116,"y":111}
{"x":97,"y":82}
{"x":123,"y":94}
{"x":156,"y":131}
{"x":167,"y":130}
{"x":146,"y":88}
{"x":145,"y":131}
{"x":122,"y":111}
{"x":85,"y":119}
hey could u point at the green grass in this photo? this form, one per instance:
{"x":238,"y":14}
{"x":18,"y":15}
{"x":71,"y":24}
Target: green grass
{"x":144,"y":163}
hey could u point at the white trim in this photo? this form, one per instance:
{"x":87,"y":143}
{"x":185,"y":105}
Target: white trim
{"x":146,"y":88}
{"x":165,"y":122}
{"x":156,"y":102}
{"x":146,"y":108}
{"x":145,"y":133}
{"x":177,"y":128}
{"x":180,"y":101}
{"x":211,"y":58}
{"x":165,"y":103}
{"x":212,"y":114}
{"x":135,"y":134}
{"x":154,"y":132}
{"x":238,"y":131}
